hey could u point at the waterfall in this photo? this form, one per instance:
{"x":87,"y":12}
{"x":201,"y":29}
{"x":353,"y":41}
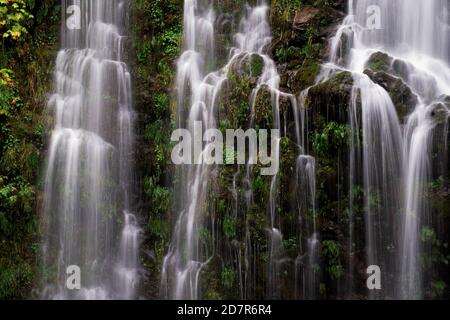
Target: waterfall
{"x":197,"y":90}
{"x":88,"y":204}
{"x":414,"y":39}
{"x":199,"y":86}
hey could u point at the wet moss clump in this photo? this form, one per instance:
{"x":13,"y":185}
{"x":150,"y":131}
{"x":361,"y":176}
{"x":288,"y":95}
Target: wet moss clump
{"x":332,"y":97}
{"x":379,"y":61}
{"x":304,"y":76}
{"x":235,"y":108}
{"x":263,"y":108}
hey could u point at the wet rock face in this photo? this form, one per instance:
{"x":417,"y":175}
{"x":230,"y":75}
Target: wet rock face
{"x":440,"y":112}
{"x":323,"y":21}
{"x":380,"y":61}
{"x":332,"y":97}
{"x":440,"y":155}
{"x":389,"y":74}
{"x":401,"y":94}
{"x":301,"y":39}
{"x":299,"y":79}
{"x":263,"y":108}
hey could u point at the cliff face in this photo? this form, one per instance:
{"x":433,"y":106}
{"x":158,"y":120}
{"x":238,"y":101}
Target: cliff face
{"x":300,"y":40}
{"x":301,"y":30}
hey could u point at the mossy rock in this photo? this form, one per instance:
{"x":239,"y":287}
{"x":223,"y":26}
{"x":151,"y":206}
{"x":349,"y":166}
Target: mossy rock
{"x":243,"y":75}
{"x":263,"y":108}
{"x":401,"y":94}
{"x":304,"y":76}
{"x":341,"y":81}
{"x":248,"y":66}
{"x":332,"y":97}
{"x":392,"y":74}
{"x":440,"y":149}
{"x":379,"y":61}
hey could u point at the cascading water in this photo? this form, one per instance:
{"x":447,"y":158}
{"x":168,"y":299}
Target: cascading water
{"x":88,"y":180}
{"x":198,"y":90}
{"x":415,"y":36}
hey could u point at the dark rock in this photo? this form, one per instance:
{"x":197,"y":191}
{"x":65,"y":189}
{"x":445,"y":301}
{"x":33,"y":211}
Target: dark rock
{"x":440,"y":110}
{"x":380,"y":61}
{"x":332,"y":97}
{"x":304,"y":17}
{"x":323,"y":21}
{"x":344,"y":45}
{"x":392,"y":74}
{"x":263,"y":107}
{"x":401,"y":68}
{"x":401,"y":94}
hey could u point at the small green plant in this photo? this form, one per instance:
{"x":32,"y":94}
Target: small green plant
{"x":227,"y":277}
{"x":161,"y":103}
{"x":258,"y":185}
{"x":333,"y":137}
{"x":229,"y":227}
{"x":438,"y":288}
{"x":427,"y":234}
{"x":322,"y":3}
{"x":290,"y":246}
{"x":160,"y":196}
{"x":331,"y":252}
{"x":170,"y":42}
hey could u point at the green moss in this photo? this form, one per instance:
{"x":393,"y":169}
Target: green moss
{"x":263,"y":108}
{"x":14,"y":279}
{"x":229,"y":227}
{"x":235,"y":105}
{"x":331,"y":254}
{"x":337,"y":82}
{"x":288,"y":54}
{"x":161,"y":104}
{"x":256,"y":65}
{"x":155,"y":41}
{"x":305,"y":76}
{"x":379,"y":62}
{"x":282,"y":12}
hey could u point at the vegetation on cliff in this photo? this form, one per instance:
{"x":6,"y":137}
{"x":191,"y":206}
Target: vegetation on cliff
{"x":29,"y":44}
{"x":301,"y":29}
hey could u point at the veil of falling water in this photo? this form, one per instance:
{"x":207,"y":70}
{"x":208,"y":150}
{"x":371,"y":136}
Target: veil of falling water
{"x":198,"y":91}
{"x":396,"y":159}
{"x":87,"y":210}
